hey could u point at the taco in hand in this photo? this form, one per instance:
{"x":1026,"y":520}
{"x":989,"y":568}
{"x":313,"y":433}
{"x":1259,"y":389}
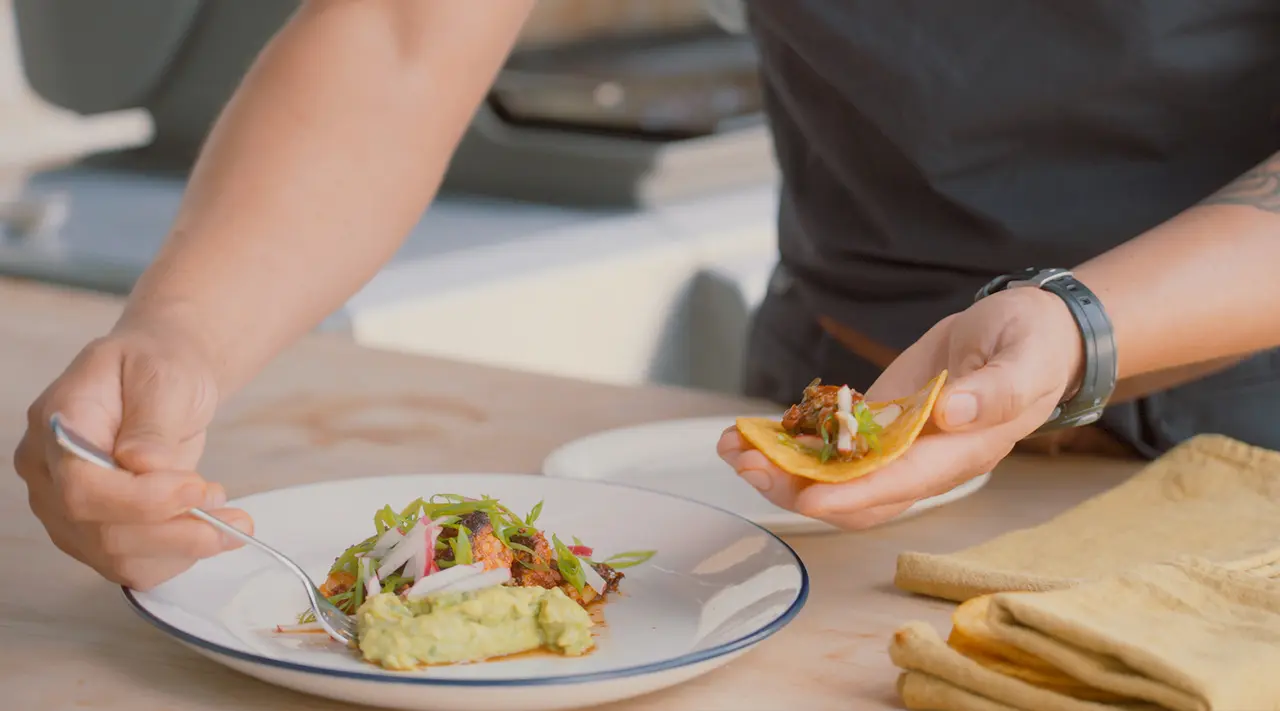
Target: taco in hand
{"x":835,"y":435}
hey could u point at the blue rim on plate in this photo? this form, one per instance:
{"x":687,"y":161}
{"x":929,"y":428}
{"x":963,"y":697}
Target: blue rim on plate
{"x":683,"y":660}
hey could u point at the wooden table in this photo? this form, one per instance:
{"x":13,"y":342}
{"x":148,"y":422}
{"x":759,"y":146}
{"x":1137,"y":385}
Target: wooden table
{"x":328,"y":410}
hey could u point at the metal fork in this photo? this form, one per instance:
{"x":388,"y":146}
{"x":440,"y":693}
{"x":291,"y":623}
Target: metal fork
{"x":338,"y":624}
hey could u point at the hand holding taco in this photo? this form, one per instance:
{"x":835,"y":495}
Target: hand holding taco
{"x":834,"y":434}
{"x":969,"y":389}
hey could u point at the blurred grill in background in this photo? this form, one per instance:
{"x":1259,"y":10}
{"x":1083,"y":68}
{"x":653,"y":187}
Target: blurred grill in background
{"x":634,"y":101}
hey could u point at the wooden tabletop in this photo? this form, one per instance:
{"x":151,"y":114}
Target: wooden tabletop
{"x":328,"y":409}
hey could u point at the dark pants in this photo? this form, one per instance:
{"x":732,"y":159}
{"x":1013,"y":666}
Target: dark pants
{"x":787,"y":349}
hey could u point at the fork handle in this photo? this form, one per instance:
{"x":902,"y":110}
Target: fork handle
{"x":226,"y":527}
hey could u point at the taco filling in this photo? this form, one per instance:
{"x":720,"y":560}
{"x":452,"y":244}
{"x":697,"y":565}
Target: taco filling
{"x":834,"y":421}
{"x":453,"y":579}
{"x":412,"y":549}
{"x":835,"y":434}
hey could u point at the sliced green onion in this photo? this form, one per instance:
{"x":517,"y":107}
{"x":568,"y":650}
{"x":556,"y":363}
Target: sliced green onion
{"x":867,"y":425}
{"x":459,"y":508}
{"x":873,"y":441}
{"x":461,"y":545}
{"x":866,"y":418}
{"x":412,"y":511}
{"x":391,"y":582}
{"x":533,"y":515}
{"x":385,"y":520}
{"x":828,"y":445}
{"x":511,"y":515}
{"x":347,"y":561}
{"x":569,"y":565}
{"x":629,"y":559}
{"x":357,"y":590}
{"x":504,"y":534}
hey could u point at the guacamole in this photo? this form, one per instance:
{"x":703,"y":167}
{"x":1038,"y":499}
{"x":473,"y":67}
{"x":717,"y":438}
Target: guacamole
{"x":470,"y":627}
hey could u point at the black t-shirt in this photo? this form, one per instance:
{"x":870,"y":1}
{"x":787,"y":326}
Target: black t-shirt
{"x":927,"y":146}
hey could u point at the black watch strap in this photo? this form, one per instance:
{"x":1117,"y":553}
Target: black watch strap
{"x":1100,"y":363}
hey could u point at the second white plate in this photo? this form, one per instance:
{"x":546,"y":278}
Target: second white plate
{"x":679,"y":457}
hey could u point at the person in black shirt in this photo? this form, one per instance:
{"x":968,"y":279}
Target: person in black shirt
{"x":925,"y":148}
{"x":929,"y":147}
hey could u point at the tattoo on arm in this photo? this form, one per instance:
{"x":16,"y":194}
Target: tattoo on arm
{"x":1258,"y":188}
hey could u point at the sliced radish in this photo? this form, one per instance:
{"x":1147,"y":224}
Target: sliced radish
{"x":296,"y":629}
{"x":593,"y":578}
{"x":439,"y":581}
{"x":486,"y":579}
{"x":415,"y":570}
{"x":403,"y":551}
{"x":385,"y":542}
{"x":372,"y":586}
{"x":847,"y":428}
{"x":886,"y":415}
{"x":396,"y":557}
{"x":424,"y":558}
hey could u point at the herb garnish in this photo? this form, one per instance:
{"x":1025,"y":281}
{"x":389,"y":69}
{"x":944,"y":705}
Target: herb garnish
{"x":461,"y":545}
{"x":630,"y":559}
{"x":828,"y":446}
{"x":569,"y":565}
{"x":446,"y":511}
{"x":867,"y":425}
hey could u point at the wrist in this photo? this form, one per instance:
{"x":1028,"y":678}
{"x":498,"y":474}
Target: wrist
{"x":1083,"y":357}
{"x":1060,"y":325}
{"x":176,"y":327}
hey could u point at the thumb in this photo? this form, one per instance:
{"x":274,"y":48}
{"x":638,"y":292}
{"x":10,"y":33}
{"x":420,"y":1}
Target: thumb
{"x":993,"y":391}
{"x":163,"y":408}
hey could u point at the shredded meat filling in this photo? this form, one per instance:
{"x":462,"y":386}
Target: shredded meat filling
{"x":534,"y":569}
{"x":817,"y":409}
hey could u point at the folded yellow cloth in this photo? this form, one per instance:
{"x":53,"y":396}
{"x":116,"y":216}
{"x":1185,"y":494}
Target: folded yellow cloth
{"x":1186,"y":635}
{"x":1211,"y":497}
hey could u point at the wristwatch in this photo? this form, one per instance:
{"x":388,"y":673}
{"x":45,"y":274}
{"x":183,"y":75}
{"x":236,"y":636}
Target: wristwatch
{"x":1099,"y":381}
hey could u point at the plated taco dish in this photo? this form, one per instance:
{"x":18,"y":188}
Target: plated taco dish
{"x":451,"y":579}
{"x":834,"y":434}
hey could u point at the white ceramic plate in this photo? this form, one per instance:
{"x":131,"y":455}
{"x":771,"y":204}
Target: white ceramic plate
{"x":679,"y":457}
{"x":717,"y":586}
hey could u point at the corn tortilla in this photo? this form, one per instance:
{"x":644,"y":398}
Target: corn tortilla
{"x":971,"y":637}
{"x":896,"y":438}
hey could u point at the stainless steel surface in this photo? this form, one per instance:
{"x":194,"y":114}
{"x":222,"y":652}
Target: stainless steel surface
{"x":654,"y":87}
{"x":335,"y":622}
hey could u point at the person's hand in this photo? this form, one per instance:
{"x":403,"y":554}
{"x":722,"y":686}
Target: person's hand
{"x":1012,"y":358}
{"x":147,"y":399}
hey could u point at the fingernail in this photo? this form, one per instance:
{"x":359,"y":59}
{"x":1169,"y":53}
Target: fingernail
{"x":215,"y":498}
{"x":962,"y":408}
{"x":756,"y":478}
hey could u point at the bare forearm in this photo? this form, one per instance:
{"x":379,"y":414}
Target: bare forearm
{"x":1200,"y":291}
{"x":320,"y":165}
